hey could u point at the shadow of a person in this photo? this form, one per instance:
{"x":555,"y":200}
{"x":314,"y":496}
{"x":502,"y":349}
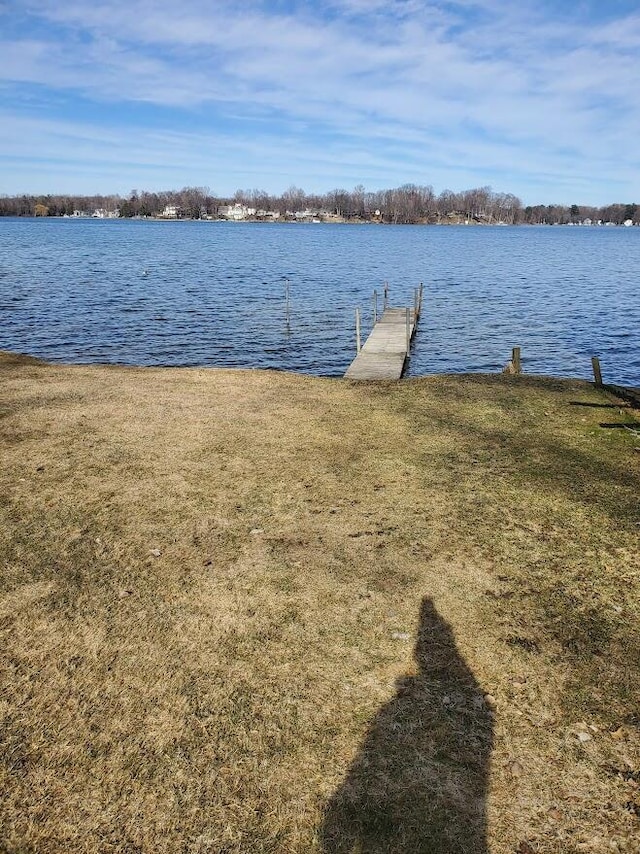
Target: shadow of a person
{"x":419,"y":781}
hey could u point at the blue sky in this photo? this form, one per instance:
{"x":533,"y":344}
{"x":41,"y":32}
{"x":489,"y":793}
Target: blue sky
{"x":541,"y":99}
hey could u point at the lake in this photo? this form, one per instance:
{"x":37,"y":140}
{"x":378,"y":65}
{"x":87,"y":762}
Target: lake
{"x":207,"y":293}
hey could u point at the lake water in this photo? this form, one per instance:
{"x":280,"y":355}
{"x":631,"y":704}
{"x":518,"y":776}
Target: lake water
{"x":205,"y":293}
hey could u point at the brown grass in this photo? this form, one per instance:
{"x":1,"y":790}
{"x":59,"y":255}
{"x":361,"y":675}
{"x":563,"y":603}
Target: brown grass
{"x":255,"y":612}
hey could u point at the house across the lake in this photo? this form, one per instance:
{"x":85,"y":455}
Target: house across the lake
{"x":171,"y":212}
{"x":102,"y":213}
{"x":236,"y":212}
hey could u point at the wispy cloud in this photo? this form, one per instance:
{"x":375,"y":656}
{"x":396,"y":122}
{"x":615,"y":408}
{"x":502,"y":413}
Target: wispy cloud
{"x":437,"y":92}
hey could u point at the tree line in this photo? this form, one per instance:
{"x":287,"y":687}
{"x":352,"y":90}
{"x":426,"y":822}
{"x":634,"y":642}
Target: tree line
{"x":409,"y":203}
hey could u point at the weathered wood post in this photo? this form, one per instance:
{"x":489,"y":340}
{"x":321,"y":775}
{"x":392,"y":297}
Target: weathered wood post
{"x":386,"y":296}
{"x":358,"y":344}
{"x":375,"y":307}
{"x":415,"y":303}
{"x":597,"y":374}
{"x":408,"y":327}
{"x":515,"y":360}
{"x":420,"y":300}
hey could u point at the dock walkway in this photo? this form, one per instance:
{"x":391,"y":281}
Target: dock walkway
{"x":385,"y":351}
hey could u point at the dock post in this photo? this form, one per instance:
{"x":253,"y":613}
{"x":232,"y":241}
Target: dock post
{"x":597,"y":374}
{"x":386,"y":296}
{"x":515,"y":360}
{"x":408,"y":328}
{"x":287,"y":301}
{"x":420,"y":300}
{"x":375,"y":307}
{"x":358,"y":344}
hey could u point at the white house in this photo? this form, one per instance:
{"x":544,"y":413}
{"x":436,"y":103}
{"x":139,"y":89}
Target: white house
{"x":236,"y":212}
{"x":102,"y":213}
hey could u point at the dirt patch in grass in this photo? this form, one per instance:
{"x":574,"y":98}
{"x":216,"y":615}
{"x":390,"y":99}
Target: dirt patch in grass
{"x":250,"y":611}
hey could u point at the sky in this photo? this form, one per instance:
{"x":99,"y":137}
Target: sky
{"x":540,"y":99}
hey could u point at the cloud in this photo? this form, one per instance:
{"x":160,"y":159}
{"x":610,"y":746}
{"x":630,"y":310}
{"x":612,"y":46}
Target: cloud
{"x":507,"y":88}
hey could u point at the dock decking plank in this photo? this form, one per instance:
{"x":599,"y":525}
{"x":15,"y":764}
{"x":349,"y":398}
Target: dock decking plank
{"x":384,"y":353}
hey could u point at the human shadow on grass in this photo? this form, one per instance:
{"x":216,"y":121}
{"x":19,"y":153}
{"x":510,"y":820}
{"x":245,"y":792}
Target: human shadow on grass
{"x":419,"y":781}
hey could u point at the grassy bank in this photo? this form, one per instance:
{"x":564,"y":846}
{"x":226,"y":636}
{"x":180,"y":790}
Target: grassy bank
{"x":255,"y":612}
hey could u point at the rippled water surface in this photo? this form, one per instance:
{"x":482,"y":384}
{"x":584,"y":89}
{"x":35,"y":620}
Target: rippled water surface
{"x":204,"y":293}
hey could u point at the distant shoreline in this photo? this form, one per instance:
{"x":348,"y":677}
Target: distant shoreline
{"x":446,"y":223}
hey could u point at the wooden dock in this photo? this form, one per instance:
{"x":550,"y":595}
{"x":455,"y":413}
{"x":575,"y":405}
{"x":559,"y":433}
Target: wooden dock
{"x":384,"y":354}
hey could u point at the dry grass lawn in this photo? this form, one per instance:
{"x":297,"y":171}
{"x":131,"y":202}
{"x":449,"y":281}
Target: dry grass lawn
{"x":246,"y":611}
